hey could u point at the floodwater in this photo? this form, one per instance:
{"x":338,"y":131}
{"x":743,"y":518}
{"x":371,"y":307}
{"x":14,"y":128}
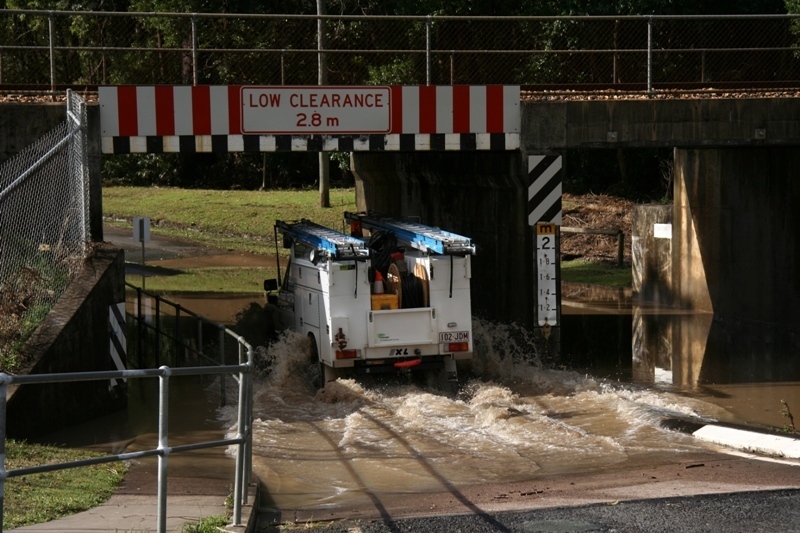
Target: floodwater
{"x":511,"y":421}
{"x":604,"y":403}
{"x":622,"y":371}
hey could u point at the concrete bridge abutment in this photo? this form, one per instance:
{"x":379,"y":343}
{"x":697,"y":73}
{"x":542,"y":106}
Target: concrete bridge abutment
{"x":736,"y":256}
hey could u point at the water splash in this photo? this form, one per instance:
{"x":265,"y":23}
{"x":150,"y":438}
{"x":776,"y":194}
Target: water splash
{"x":512,"y":417}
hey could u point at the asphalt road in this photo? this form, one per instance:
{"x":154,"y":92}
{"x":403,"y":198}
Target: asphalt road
{"x":743,"y":512}
{"x":709,"y":492}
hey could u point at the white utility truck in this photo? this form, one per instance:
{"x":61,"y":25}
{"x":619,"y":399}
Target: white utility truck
{"x":398,"y":299}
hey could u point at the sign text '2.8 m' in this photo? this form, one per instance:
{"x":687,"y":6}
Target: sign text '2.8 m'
{"x":316,"y":110}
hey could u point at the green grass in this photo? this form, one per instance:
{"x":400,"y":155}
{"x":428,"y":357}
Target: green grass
{"x":219,"y":279}
{"x":211,"y":524}
{"x":242,"y":221}
{"x":239,"y":221}
{"x":37,"y":498}
{"x":232,"y":220}
{"x":580,"y":271}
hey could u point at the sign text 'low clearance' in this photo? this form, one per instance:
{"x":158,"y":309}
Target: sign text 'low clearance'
{"x":316,"y":110}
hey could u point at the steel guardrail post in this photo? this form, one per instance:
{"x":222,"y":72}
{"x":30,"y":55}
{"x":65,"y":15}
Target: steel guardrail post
{"x":649,"y":54}
{"x":283,"y":68}
{"x":239,"y":477}
{"x":139,"y":333}
{"x":249,"y":421}
{"x":222,"y":363}
{"x":158,"y":330}
{"x":194,"y":48}
{"x":51,"y":26}
{"x":163,"y":446}
{"x":178,"y":341}
{"x":428,"y":50}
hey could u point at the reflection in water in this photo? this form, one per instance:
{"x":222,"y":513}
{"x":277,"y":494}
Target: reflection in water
{"x":512,"y":421}
{"x":515,"y":417}
{"x":747,"y":368}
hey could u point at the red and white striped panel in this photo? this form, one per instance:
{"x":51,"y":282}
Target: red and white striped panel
{"x":146,"y":111}
{"x":455,"y":109}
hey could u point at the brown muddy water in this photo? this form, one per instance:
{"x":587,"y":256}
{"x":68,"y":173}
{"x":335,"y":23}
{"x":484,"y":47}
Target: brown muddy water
{"x":601,"y":405}
{"x":514,"y":420}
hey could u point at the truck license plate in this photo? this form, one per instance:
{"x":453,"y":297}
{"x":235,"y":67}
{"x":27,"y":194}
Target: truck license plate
{"x":453,"y":336}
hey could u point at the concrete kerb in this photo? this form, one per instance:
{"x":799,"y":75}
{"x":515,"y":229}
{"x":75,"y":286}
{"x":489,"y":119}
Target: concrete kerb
{"x":784,"y":447}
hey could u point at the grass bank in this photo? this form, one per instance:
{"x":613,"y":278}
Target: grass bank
{"x":237,"y":221}
{"x":208,"y":279}
{"x":582,"y":271}
{"x":240,"y":221}
{"x":38,"y":498}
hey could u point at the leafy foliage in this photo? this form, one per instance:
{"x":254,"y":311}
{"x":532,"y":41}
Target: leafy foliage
{"x":21,"y":311}
{"x":169,"y":59}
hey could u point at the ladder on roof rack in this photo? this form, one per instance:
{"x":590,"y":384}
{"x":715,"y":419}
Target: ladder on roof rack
{"x":419,"y":236}
{"x":335,"y":243}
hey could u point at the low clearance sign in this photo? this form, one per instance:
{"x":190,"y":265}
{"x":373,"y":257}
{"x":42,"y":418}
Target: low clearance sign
{"x":316,"y":110}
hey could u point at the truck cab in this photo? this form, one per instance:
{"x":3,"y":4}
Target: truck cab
{"x":398,"y":299}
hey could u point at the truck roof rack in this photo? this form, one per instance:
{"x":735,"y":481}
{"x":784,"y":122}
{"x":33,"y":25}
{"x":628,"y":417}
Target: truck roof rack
{"x":419,"y":236}
{"x":336,"y":244}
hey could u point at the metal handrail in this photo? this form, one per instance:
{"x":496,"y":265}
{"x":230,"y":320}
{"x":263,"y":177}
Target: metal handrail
{"x":242,"y":373}
{"x":245,"y":351}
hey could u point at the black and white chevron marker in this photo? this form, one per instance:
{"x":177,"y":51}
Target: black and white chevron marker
{"x":116,"y":332}
{"x":544,"y":189}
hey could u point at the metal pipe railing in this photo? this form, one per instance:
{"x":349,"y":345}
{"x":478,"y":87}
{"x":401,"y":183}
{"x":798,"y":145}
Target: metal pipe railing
{"x":642,"y":38}
{"x":241,"y":371}
{"x":163,"y":450}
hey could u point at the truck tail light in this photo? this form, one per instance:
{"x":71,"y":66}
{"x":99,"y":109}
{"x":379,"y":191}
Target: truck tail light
{"x":346,"y":354}
{"x":458,"y":347}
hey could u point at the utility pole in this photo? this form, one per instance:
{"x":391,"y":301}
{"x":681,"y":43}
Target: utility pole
{"x":324,"y":157}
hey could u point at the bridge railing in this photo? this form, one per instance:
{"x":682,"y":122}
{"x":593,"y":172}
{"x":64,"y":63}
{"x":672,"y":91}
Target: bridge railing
{"x":51,"y":49}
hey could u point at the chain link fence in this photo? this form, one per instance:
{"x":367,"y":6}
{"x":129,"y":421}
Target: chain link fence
{"x":44,"y":225}
{"x":51,"y":49}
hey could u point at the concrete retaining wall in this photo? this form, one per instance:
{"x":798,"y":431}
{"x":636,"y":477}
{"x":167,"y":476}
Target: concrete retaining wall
{"x":652,"y":256}
{"x":736,"y":250}
{"x":73,"y":338}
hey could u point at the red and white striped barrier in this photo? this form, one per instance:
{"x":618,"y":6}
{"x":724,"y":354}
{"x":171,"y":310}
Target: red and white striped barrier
{"x":257,"y":118}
